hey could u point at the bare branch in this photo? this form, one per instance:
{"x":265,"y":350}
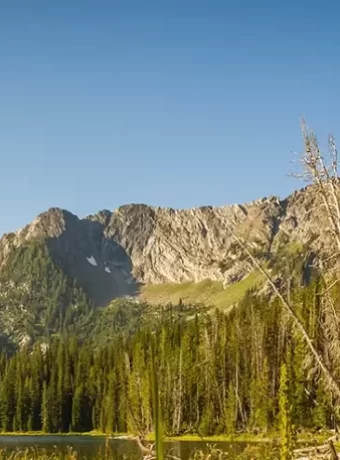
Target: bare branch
{"x":296,"y":321}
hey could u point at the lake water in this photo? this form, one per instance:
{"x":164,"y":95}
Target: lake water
{"x":90,"y":447}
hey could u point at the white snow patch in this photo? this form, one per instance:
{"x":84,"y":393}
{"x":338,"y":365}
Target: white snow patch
{"x":107,"y":270}
{"x":91,"y":260}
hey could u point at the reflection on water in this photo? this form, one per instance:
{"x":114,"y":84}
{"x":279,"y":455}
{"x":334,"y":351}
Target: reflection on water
{"x":87,"y":446}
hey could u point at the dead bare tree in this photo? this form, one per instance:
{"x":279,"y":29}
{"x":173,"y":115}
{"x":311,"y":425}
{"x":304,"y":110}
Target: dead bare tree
{"x":324,"y":178}
{"x":323,"y":174}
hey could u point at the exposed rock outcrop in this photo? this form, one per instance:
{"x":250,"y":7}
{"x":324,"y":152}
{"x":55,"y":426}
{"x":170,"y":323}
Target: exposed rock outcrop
{"x":110,"y":253}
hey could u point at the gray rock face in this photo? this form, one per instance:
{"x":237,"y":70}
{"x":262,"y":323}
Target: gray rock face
{"x":111,"y":253}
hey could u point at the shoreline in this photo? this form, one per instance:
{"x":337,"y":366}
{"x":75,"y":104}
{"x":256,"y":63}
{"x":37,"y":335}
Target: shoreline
{"x":238,"y":437}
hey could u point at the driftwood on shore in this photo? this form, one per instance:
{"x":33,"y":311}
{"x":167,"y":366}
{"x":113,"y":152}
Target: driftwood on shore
{"x":148,"y":451}
{"x":326,"y":451}
{"x":125,"y":436}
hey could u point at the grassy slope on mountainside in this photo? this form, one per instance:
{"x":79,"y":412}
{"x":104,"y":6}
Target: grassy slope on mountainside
{"x":210,"y":293}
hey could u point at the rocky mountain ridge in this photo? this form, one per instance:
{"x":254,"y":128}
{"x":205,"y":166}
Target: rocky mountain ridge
{"x":111,"y":254}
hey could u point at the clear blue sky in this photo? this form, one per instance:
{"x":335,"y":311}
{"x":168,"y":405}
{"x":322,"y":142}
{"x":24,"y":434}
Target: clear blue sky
{"x":174,"y":103}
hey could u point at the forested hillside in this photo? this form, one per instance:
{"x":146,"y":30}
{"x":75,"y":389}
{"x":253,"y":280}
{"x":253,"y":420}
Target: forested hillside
{"x":267,"y":358}
{"x":219,"y":373}
{"x":37,"y":299}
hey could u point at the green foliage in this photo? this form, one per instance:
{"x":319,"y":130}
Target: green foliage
{"x":157,"y":414}
{"x":285,"y":416}
{"x":292,"y":260}
{"x":207,"y":426}
{"x":209,"y":293}
{"x":38,"y":295}
{"x":217,"y":372}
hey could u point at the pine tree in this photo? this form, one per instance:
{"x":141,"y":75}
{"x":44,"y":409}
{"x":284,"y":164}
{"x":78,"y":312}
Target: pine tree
{"x":284,"y":416}
{"x":231,"y":410}
{"x":77,"y":409}
{"x":45,"y":417}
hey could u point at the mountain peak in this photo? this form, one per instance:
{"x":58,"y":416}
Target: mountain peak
{"x":49,"y":224}
{"x":110,"y":253}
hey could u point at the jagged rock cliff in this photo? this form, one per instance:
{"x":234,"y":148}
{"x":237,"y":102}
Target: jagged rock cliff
{"x":111,"y":253}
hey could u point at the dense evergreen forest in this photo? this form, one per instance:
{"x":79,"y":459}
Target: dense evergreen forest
{"x":218,"y":373}
{"x":37,"y":299}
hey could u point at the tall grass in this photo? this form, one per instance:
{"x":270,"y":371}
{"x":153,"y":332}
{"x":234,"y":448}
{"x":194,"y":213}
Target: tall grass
{"x":212,"y":453}
{"x":34,"y":453}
